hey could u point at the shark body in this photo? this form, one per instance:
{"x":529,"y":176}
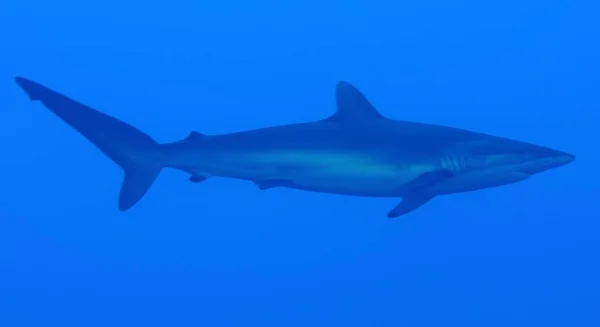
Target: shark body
{"x":356,"y":151}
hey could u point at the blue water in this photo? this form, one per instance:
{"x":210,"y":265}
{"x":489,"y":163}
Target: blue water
{"x":222,"y":253}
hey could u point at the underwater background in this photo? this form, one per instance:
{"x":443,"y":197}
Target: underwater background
{"x":223,"y":253}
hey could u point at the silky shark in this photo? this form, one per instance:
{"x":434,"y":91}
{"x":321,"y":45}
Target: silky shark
{"x":355,"y":151}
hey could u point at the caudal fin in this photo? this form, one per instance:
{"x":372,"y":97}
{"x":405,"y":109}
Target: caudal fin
{"x":139,"y":155}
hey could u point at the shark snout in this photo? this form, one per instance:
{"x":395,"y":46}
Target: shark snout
{"x":567,"y":158}
{"x":541,"y":159}
{"x":561,"y":158}
{"x":551,"y":159}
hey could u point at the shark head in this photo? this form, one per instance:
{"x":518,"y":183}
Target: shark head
{"x":513,"y":156}
{"x":496,"y":162}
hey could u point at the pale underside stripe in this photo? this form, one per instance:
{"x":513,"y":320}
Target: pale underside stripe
{"x":337,"y":163}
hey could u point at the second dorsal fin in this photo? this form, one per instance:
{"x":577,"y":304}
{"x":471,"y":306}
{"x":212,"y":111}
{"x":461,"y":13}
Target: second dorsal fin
{"x":193,"y":135}
{"x":192,"y":138}
{"x":352,"y":105}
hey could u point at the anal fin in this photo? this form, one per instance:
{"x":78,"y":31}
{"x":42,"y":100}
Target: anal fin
{"x":271,"y":183}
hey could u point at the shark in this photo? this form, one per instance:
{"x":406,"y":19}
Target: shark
{"x":355,"y":151}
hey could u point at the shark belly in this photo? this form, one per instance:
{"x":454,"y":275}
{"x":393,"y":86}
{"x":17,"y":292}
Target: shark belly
{"x":478,"y":180}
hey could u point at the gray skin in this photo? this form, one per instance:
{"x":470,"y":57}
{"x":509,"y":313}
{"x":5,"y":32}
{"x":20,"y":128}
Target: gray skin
{"x":356,"y":151}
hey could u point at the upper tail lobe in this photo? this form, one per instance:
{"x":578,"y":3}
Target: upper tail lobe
{"x":139,"y":155}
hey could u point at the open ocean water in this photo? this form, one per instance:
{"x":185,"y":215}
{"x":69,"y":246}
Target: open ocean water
{"x":223,"y":253}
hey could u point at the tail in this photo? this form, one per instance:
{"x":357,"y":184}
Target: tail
{"x":139,"y":155}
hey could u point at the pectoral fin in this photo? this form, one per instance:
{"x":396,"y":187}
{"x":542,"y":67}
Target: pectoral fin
{"x":427,"y":179}
{"x":419,"y":191}
{"x":410,"y":203}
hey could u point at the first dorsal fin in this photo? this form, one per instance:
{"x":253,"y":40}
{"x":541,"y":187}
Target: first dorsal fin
{"x":352,"y":105}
